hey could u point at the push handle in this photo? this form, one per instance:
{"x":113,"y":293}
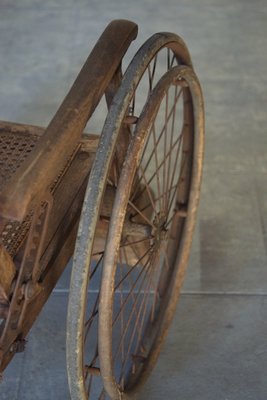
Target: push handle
{"x":28,"y":185}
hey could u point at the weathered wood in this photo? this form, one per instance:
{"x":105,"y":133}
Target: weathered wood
{"x":21,"y":129}
{"x":60,"y":241}
{"x":7,"y":274}
{"x":20,"y":133}
{"x":88,"y":141}
{"x":68,"y":199}
{"x":58,"y":264}
{"x":29,"y":183}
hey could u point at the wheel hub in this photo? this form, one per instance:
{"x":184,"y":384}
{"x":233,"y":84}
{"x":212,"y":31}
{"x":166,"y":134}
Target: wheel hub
{"x":160,"y":233}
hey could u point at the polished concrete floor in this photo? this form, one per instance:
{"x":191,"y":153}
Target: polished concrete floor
{"x":216,"y":348}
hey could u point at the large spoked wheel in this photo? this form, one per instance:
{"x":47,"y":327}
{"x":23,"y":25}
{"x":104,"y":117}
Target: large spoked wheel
{"x":137,"y":302}
{"x":152,"y":183}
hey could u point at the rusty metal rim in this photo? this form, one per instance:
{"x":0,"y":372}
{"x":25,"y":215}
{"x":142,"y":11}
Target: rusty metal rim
{"x":165,"y":319}
{"x":123,"y":32}
{"x":93,"y":198}
{"x":113,"y":240}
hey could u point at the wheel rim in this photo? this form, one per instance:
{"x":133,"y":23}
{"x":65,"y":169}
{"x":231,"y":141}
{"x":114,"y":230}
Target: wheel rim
{"x":126,"y":357}
{"x":83,"y":365}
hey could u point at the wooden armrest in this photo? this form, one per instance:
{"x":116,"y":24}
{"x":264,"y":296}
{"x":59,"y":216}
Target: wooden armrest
{"x":30,"y":182}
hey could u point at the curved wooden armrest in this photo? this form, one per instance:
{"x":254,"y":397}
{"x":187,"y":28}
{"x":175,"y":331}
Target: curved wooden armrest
{"x":29,"y":183}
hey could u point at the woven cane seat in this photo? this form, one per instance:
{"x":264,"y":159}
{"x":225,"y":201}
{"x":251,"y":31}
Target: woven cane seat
{"x":14,"y":149}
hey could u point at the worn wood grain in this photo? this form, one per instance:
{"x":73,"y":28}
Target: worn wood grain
{"x":60,"y":138}
{"x":7,"y":274}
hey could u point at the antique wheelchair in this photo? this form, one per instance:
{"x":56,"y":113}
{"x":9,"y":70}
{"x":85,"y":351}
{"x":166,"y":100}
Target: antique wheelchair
{"x":127,"y":197}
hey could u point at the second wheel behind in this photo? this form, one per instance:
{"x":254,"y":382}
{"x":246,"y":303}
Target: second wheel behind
{"x":110,"y":350}
{"x":161,"y":167}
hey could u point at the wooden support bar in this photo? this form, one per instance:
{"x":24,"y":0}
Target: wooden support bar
{"x":7,"y":274}
{"x":55,"y":146}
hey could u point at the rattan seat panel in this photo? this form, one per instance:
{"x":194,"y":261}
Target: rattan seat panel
{"x":14,"y":149}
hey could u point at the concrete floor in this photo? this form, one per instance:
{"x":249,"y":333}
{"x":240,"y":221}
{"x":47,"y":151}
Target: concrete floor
{"x":216,"y":348}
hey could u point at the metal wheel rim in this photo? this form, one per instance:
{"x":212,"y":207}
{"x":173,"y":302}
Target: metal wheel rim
{"x":94,"y":194}
{"x":107,"y":295}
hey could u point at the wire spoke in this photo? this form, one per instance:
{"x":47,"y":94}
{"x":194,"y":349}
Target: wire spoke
{"x":134,"y":267}
{"x":156,"y":157}
{"x":155,"y":200}
{"x":144,"y":302}
{"x":136,"y":241}
{"x":89,"y":322}
{"x":175,"y":192}
{"x":156,"y":295}
{"x":131,"y":313}
{"x":170,"y":59}
{"x":140,"y":213}
{"x":169,"y":221}
{"x":157,"y":142}
{"x":147,"y":187}
{"x":130,"y":278}
{"x":165,"y":145}
{"x":129,"y":294}
{"x":151,"y":74}
{"x":163,"y":130}
{"x":175,"y":164}
{"x":171,"y":140}
{"x":97,"y":265}
{"x":178,"y":141}
{"x":138,"y":180}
